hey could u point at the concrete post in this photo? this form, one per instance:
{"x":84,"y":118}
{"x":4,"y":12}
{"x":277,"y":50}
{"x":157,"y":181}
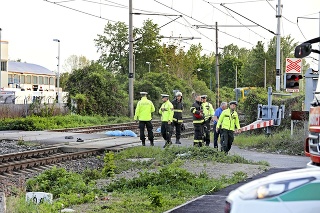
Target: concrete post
{"x":2,"y":202}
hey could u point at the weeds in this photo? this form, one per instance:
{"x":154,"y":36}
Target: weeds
{"x":281,"y":142}
{"x":160,"y":185}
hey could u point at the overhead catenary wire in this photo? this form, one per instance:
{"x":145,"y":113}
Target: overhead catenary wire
{"x":70,"y":8}
{"x":245,"y":26}
{"x":198,"y":20}
{"x":249,"y":19}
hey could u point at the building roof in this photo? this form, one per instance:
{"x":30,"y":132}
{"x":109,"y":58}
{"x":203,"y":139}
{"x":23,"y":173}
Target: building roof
{"x":26,"y":68}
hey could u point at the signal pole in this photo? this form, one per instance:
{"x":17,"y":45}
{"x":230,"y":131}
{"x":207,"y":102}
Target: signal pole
{"x":130,"y":61}
{"x":279,"y":6}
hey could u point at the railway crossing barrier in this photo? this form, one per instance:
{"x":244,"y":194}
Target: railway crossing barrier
{"x":268,"y":116}
{"x":257,"y":124}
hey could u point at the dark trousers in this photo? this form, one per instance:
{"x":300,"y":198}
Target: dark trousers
{"x":142,"y":125}
{"x":177,"y":125}
{"x":216,"y":136}
{"x":206,"y":129}
{"x":198,"y":134}
{"x":228,"y":137}
{"x":166,"y":131}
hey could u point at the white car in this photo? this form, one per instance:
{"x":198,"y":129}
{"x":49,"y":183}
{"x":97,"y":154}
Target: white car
{"x":295,"y":191}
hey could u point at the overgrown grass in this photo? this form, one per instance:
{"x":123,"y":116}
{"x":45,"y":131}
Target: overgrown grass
{"x":35,"y":123}
{"x":280,"y":142}
{"x":158,"y":190}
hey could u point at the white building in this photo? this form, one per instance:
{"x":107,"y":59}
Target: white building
{"x":23,"y":83}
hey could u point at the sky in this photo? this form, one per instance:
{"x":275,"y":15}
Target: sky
{"x":30,"y":26}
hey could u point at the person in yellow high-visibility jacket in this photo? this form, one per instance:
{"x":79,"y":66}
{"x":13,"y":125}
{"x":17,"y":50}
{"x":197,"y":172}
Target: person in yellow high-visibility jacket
{"x":143,"y":114}
{"x":208,"y":113}
{"x":228,"y":120}
{"x":166,"y":112}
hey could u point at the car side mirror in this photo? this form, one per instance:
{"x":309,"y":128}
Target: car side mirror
{"x":303,"y":50}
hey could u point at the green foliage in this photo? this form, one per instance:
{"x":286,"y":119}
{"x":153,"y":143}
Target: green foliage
{"x":155,"y":196}
{"x":35,"y":123}
{"x":58,"y":181}
{"x":280,"y":142}
{"x":97,"y":87}
{"x":226,"y":94}
{"x":109,"y":165}
{"x":250,"y":105}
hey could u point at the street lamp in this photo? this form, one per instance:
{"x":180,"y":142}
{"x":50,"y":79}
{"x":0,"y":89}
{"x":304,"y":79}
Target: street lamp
{"x":58,"y":81}
{"x":149,"y":63}
{"x":199,"y":69}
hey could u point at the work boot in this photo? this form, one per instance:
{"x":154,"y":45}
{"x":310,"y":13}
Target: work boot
{"x":143,"y":143}
{"x":151,"y":143}
{"x":178,"y":141}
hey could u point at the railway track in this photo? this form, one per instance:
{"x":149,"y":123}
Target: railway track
{"x":41,"y":159}
{"x":101,"y":128}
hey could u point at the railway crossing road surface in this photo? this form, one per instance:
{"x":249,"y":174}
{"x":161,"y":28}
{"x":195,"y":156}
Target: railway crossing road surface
{"x":207,"y":203}
{"x":215,"y":203}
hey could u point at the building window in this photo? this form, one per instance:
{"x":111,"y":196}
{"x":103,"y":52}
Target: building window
{"x":35,"y":79}
{"x":40,"y":79}
{"x":3,"y":66}
{"x":28,"y":81}
{"x":51,"y":81}
{"x":46,"y":80}
{"x":16,"y":79}
{"x":10,"y":79}
{"x":22,"y":79}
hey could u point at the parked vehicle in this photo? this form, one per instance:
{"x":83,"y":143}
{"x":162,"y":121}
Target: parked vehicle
{"x":295,"y":191}
{"x":242,"y":92}
{"x":312,"y":142}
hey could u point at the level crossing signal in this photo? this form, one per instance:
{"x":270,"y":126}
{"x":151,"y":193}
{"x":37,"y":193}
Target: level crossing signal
{"x":292,"y":82}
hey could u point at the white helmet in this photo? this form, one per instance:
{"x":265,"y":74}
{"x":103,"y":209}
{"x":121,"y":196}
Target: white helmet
{"x":178,"y":94}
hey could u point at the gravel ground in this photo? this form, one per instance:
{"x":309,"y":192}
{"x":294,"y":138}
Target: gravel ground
{"x":213,"y":169}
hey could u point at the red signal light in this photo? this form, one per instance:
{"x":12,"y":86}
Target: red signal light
{"x":292,"y":81}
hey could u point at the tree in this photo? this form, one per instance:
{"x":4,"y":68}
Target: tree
{"x":75,"y":62}
{"x":114,"y":48}
{"x":229,"y":66}
{"x":254,"y":69}
{"x":147,"y":48}
{"x":99,"y":88}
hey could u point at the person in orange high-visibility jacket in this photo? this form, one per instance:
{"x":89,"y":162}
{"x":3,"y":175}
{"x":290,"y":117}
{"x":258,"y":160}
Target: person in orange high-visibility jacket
{"x":143,"y":114}
{"x":228,"y":120}
{"x":198,"y":119}
{"x":166,"y":112}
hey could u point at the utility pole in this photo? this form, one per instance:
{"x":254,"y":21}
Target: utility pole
{"x":278,"y":16}
{"x":217,"y":54}
{"x":58,"y":67}
{"x":265,"y":73}
{"x":130,"y":61}
{"x":236,"y":84}
{"x":0,"y":59}
{"x":217,"y":69}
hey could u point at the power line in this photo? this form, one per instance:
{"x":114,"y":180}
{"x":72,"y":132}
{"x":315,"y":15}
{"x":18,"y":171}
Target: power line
{"x":198,"y":20}
{"x":80,"y":11}
{"x":240,"y":2}
{"x":249,"y":19}
{"x":244,"y":26}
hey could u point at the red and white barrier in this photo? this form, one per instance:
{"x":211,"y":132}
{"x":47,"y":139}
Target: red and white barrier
{"x":257,"y":125}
